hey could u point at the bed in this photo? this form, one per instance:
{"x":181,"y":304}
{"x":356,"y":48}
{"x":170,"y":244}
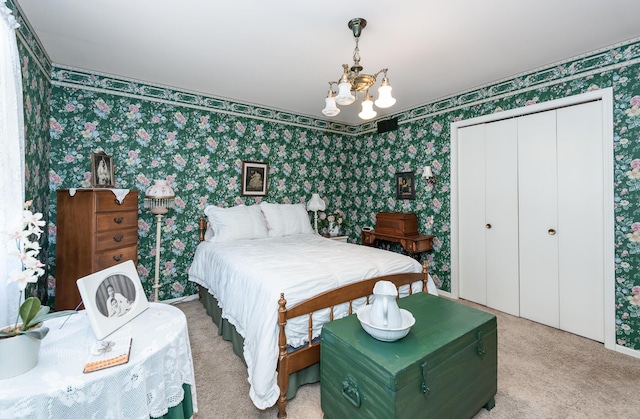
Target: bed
{"x":266,"y":270}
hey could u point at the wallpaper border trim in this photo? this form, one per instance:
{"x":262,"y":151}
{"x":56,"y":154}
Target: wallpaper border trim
{"x":594,"y":62}
{"x":99,"y":82}
{"x":605,"y":59}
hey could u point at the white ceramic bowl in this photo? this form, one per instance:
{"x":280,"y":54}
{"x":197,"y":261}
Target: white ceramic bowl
{"x":383,"y":334}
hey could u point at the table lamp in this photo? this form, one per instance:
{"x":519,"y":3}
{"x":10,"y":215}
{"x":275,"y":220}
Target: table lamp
{"x":158,"y":198}
{"x":316,"y":204}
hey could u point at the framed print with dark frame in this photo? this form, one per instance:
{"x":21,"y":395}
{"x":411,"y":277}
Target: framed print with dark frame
{"x":112,"y":297}
{"x":102,"y":175}
{"x":254,"y":178}
{"x":405,"y":186}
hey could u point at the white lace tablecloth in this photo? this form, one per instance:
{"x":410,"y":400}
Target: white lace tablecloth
{"x":150,"y":383}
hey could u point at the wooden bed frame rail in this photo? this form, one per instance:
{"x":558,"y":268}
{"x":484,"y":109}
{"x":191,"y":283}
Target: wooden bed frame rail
{"x":289,"y":363}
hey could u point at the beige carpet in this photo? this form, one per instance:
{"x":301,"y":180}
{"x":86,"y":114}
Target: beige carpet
{"x":542,"y":373}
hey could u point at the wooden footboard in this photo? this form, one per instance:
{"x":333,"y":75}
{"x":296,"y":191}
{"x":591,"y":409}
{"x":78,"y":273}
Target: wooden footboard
{"x":289,"y":363}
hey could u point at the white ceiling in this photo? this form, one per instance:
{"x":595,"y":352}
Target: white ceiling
{"x":281,"y":54}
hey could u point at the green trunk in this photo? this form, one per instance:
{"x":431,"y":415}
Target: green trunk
{"x":445,"y":367}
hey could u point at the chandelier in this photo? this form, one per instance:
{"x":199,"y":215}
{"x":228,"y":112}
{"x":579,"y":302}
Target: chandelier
{"x":353,"y":81}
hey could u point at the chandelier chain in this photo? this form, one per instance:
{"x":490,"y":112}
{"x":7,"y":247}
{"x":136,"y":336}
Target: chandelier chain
{"x":356,"y":55}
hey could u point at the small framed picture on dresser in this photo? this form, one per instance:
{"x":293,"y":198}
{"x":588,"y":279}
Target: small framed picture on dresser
{"x":254,"y":178}
{"x":405,"y":186}
{"x":102,"y":175}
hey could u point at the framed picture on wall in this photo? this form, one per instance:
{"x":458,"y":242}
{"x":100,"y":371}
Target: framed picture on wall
{"x":102,"y":175}
{"x":405,"y":186}
{"x":112,"y":297}
{"x":254,"y":178}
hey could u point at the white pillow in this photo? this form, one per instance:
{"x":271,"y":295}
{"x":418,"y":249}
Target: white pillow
{"x":236,"y":223}
{"x":209,"y":233}
{"x":286,"y":219}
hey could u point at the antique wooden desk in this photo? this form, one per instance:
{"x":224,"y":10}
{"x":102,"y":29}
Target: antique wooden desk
{"x":446,"y":367}
{"x":400,"y":228}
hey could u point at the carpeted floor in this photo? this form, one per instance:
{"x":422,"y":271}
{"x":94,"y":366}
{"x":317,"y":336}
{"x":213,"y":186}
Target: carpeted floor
{"x":542,"y":373}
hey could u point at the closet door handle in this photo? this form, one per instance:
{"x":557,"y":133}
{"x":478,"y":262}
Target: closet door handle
{"x":488,"y":226}
{"x":552,"y":232}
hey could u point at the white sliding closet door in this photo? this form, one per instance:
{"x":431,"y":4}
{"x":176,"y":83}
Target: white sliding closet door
{"x":488,"y":208}
{"x":538,"y":236}
{"x":471,"y":203}
{"x":580,"y":220}
{"x":501,"y":215}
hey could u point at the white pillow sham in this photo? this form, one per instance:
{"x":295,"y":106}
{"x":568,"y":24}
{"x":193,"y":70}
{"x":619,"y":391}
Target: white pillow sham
{"x":286,"y":219}
{"x":236,"y":223}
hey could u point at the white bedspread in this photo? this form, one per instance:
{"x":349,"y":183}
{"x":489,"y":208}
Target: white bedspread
{"x":247,"y":277}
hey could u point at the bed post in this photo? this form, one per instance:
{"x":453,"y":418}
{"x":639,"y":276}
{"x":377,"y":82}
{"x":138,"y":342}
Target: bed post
{"x":283,"y":372}
{"x":425,"y":276}
{"x":202,"y":224}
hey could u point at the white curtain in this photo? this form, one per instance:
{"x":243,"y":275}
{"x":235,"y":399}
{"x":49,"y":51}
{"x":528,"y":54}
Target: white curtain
{"x":11,"y":160}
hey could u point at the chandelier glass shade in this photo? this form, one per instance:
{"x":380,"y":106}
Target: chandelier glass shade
{"x":353,"y":81}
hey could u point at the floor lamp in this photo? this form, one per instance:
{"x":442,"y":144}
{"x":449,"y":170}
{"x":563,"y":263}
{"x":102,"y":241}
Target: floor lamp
{"x":315,"y":204}
{"x":158,"y":199}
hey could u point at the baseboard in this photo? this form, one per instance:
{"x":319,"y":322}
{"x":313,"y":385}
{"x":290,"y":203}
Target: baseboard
{"x":446,"y":294}
{"x":627,"y":351}
{"x":180,"y":299}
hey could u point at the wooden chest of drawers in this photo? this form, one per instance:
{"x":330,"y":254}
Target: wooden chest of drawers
{"x":446,"y":367}
{"x":94,"y":231}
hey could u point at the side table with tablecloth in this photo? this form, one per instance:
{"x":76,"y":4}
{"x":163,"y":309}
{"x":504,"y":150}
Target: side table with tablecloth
{"x":158,"y":379}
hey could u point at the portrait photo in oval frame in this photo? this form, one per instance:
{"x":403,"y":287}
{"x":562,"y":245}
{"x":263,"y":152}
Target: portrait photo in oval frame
{"x":112,"y":297}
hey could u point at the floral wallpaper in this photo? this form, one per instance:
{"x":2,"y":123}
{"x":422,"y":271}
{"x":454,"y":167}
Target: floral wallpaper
{"x":199,"y":152}
{"x":199,"y":143}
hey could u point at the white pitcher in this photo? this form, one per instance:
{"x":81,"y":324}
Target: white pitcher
{"x":385,"y":312}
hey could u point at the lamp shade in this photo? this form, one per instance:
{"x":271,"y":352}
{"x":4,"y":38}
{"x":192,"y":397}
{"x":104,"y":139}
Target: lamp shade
{"x":315,"y":203}
{"x":427,"y":172}
{"x":384,"y":95}
{"x":330,"y":108}
{"x":367,"y":108}
{"x":159,"y":197}
{"x":344,"y":94}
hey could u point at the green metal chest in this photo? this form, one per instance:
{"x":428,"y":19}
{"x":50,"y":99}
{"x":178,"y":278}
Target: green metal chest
{"x":446,"y":367}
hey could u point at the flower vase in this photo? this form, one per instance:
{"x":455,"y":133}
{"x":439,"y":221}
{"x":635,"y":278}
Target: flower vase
{"x":334,"y":230}
{"x":18,"y":354}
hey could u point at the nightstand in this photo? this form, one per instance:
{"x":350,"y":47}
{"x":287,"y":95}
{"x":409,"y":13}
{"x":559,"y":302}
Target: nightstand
{"x":342,"y":239}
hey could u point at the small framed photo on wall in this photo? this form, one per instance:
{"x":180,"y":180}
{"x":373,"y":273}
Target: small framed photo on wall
{"x":102,"y":175}
{"x":405,"y":186}
{"x":254,"y":178}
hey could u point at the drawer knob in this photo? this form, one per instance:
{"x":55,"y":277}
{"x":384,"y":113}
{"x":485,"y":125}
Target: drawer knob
{"x":350,"y":391}
{"x":118,"y":238}
{"x":117,"y":202}
{"x":118,"y":220}
{"x":118,"y":258}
